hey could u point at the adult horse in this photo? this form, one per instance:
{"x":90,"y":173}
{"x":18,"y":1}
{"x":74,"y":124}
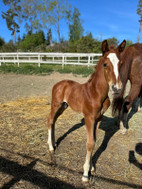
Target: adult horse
{"x":90,"y":98}
{"x":131,"y":69}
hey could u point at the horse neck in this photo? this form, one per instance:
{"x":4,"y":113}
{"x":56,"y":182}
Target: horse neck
{"x":98,"y":82}
{"x":126,"y":59}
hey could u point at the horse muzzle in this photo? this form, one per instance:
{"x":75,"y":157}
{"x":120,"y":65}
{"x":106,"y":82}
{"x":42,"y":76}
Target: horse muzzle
{"x":116,"y":88}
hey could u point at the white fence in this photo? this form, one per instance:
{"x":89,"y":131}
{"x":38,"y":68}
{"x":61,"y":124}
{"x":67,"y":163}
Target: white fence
{"x":88,"y":59}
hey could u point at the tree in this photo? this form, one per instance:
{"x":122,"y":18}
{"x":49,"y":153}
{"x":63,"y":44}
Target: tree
{"x":46,"y":13}
{"x":128,"y":43}
{"x":85,"y":45}
{"x":2,"y":42}
{"x":97,"y":46}
{"x":75,"y":28}
{"x":89,"y":34}
{"x":32,"y":41}
{"x":10,"y":16}
{"x":49,"y":37}
{"x":8,"y":47}
{"x":113,"y":41}
{"x":58,"y":10}
{"x":139,"y":12}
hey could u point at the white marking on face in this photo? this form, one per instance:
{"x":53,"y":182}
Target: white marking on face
{"x":114,"y":60}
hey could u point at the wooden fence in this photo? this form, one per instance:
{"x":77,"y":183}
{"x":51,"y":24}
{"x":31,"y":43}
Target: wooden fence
{"x":88,"y":59}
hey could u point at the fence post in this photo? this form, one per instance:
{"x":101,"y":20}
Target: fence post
{"x":92,"y":59}
{"x":63,"y":62}
{"x":17,"y":59}
{"x":88,"y":61}
{"x":38,"y":60}
{"x":14,"y":60}
{"x":3,"y":60}
{"x":78,"y":59}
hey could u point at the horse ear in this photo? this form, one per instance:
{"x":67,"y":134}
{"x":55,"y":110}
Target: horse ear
{"x":104,"y":47}
{"x":121,"y":47}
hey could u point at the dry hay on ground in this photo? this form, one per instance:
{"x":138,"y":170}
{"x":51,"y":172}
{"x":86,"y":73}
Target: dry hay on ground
{"x":25,"y":161}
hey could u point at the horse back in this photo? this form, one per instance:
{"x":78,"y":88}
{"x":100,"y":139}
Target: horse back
{"x":132,"y":64}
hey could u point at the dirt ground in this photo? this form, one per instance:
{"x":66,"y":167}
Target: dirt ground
{"x":25,"y":161}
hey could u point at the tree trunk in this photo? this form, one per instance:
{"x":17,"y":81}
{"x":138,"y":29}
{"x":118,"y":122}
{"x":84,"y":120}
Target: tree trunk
{"x":58,"y":31}
{"x":139,"y":32}
{"x":14,"y":37}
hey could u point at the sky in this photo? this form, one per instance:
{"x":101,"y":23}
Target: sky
{"x":103,"y":18}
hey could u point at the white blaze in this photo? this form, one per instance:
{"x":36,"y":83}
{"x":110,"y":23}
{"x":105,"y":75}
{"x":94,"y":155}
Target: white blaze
{"x":114,"y":60}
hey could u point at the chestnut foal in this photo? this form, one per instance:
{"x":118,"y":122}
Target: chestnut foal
{"x":90,"y":98}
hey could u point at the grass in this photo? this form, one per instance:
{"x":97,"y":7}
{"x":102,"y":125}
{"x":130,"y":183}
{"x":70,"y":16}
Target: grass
{"x":44,"y":69}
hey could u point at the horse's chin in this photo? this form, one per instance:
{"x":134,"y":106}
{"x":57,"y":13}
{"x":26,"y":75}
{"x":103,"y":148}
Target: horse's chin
{"x":114,"y":92}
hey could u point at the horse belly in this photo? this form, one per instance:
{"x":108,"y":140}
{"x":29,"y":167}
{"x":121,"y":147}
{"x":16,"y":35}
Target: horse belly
{"x":75,"y":105}
{"x":75,"y":100}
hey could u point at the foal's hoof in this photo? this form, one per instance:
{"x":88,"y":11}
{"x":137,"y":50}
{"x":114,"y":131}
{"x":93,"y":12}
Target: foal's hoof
{"x":52,"y":158}
{"x":139,"y":109}
{"x":92,"y":170}
{"x":51,"y":152}
{"x":85,"y":179}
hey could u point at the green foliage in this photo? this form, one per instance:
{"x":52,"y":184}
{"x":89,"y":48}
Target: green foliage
{"x":2,"y":42}
{"x":57,"y":11}
{"x":113,"y":41}
{"x":46,"y":69}
{"x":45,"y":13}
{"x":128,"y":43}
{"x":75,"y":28}
{"x":32,"y":40}
{"x":8,"y":47}
{"x":97,"y":46}
{"x":73,"y":46}
{"x":85,"y":45}
{"x":49,"y":37}
{"x":139,"y":9}
{"x":139,"y":12}
{"x":10,"y":16}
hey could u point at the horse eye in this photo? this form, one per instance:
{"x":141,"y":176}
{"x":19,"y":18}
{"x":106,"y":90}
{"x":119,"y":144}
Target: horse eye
{"x":105,"y":64}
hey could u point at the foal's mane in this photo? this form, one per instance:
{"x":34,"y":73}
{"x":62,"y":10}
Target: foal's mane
{"x":97,"y":69}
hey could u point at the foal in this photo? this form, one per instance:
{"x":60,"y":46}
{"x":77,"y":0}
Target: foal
{"x":90,"y":98}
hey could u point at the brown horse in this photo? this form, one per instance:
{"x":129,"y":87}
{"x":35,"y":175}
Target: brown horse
{"x":131,"y":69}
{"x":90,"y":98}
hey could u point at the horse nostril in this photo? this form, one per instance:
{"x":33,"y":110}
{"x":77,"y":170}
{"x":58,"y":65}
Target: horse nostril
{"x":113,"y":87}
{"x":116,"y":88}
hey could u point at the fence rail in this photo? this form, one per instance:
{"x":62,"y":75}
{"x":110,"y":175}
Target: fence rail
{"x":88,"y":59}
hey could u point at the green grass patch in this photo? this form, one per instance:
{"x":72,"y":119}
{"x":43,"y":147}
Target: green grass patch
{"x":45,"y":69}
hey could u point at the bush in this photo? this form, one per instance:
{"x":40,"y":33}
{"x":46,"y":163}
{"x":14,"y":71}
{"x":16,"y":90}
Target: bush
{"x":85,"y":45}
{"x":31,"y":41}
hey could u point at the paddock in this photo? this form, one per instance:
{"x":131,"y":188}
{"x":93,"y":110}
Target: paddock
{"x":25,"y":161}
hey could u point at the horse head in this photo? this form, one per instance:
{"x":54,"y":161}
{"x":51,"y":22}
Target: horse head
{"x":111,"y":62}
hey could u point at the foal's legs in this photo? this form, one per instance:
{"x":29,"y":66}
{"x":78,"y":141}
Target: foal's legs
{"x":56,"y":110}
{"x":138,"y":104}
{"x":106,"y":104}
{"x":89,"y":121}
{"x":134,"y":92}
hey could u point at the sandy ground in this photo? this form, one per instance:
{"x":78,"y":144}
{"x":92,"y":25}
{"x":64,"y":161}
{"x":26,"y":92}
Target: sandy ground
{"x":14,"y":86}
{"x":24,"y":157}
